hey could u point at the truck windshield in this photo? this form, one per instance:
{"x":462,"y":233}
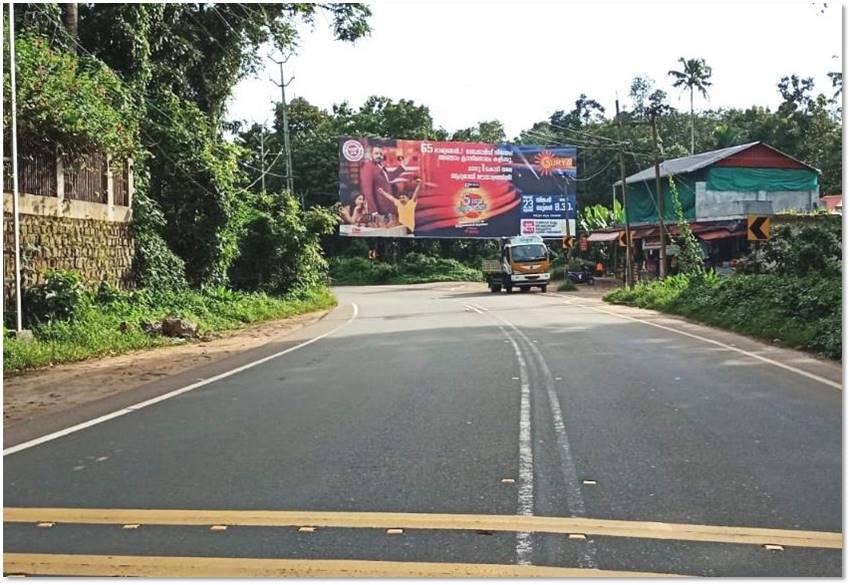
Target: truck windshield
{"x":528,"y":253}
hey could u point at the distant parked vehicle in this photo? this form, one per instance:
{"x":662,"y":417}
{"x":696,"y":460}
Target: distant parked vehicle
{"x":583,"y":276}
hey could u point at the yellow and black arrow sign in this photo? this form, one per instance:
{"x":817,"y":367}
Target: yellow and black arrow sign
{"x":567,"y":242}
{"x":622,"y":239}
{"x":758,"y":228}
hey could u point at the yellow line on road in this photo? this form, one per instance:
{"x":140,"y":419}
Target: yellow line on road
{"x":411,"y":521}
{"x":200,"y":567}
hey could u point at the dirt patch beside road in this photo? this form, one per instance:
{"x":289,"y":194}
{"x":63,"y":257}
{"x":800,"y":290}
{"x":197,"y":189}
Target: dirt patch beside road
{"x":50,"y":390}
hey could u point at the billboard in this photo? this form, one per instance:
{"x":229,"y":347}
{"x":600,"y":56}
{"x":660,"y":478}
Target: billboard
{"x":421,"y":188}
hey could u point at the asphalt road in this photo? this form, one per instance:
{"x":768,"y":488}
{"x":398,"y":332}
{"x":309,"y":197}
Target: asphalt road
{"x":445,"y":399}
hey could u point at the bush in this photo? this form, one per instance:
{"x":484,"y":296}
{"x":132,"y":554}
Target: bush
{"x":413,"y":268}
{"x":62,"y":296}
{"x":280,"y":249}
{"x":801,"y":312}
{"x":567,"y":285}
{"x":811,"y":249}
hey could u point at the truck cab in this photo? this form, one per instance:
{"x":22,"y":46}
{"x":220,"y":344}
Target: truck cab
{"x":524,"y":263}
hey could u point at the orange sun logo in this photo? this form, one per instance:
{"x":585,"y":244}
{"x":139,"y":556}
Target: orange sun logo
{"x":549,"y":163}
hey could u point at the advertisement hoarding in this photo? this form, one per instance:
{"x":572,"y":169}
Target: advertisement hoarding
{"x":419,"y":188}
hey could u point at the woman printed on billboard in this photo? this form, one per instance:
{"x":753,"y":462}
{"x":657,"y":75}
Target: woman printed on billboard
{"x":357,"y":212}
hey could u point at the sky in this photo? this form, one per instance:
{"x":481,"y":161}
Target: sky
{"x":520,"y":62}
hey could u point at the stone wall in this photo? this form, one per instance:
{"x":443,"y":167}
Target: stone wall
{"x":98,"y":250}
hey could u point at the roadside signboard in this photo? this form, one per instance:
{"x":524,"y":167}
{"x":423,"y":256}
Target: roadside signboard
{"x":418,"y":188}
{"x":758,"y":228}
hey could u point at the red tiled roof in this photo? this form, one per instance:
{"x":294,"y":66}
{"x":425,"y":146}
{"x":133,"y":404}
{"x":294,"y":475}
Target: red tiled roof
{"x":831,"y":201}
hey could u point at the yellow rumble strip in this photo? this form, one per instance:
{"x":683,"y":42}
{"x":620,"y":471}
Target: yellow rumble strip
{"x":413,"y":521}
{"x":200,"y":567}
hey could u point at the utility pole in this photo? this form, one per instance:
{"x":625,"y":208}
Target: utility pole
{"x":15,"y":189}
{"x":285,"y":124}
{"x":662,"y":262}
{"x":629,"y":275}
{"x":263,"y":158}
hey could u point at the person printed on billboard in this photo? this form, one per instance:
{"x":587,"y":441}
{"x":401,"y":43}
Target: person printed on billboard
{"x":405,"y":206}
{"x":375,"y":175}
{"x":357,"y":213}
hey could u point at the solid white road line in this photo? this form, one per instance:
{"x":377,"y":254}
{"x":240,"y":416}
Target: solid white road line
{"x":525,"y":493}
{"x":575,"y":500}
{"x":756,"y":356}
{"x":172,"y":394}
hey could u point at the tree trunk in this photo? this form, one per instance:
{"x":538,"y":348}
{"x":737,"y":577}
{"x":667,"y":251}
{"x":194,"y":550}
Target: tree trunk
{"x":70,"y":19}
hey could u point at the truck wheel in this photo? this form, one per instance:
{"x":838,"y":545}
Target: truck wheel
{"x":509,"y":289}
{"x":495,"y":288}
{"x":543,"y":288}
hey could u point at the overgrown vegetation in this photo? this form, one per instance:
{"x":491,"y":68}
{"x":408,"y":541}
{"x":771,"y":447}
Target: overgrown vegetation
{"x":150,"y":82}
{"x":690,"y":251}
{"x":789,"y":290}
{"x":413,"y":268}
{"x":73,"y":323}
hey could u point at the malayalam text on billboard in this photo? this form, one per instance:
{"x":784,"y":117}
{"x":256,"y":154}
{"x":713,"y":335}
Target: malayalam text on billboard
{"x":420,"y":188}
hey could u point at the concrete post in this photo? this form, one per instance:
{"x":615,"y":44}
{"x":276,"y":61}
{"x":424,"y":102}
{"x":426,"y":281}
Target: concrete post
{"x":60,"y":184}
{"x":110,"y":191}
{"x":130,"y":185}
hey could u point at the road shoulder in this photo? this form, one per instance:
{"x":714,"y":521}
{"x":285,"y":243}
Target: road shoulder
{"x":43,"y":401}
{"x":817,"y":366}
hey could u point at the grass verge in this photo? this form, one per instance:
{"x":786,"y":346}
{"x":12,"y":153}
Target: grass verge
{"x":413,"y":268}
{"x":801,"y":312}
{"x":112,"y":327}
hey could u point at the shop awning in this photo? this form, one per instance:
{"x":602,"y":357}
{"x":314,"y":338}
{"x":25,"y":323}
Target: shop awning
{"x":640,"y":233}
{"x":603,"y":236}
{"x":719,"y":235}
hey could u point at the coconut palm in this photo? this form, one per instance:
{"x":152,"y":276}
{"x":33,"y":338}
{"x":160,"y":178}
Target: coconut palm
{"x":694,"y":75}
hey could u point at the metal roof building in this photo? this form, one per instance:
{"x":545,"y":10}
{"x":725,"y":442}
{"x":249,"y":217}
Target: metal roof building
{"x":723,"y":184}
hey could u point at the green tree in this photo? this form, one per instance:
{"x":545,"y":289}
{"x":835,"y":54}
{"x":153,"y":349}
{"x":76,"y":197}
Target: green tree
{"x":695,"y":75}
{"x":491,"y":131}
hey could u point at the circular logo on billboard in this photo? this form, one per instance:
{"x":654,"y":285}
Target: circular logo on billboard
{"x":353,"y":151}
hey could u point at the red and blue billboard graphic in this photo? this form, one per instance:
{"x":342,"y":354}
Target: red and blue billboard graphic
{"x":420,"y":188}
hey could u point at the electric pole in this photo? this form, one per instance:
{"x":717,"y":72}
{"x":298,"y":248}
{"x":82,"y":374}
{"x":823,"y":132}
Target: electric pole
{"x":629,"y":275}
{"x":285,"y":124}
{"x":662,"y":261}
{"x":263,"y":157}
{"x":15,"y":188}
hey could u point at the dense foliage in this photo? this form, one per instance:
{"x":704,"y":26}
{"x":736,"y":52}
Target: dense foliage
{"x":164,"y":71}
{"x":280,"y":249}
{"x":788,"y":289}
{"x":413,"y":268}
{"x":810,"y":249}
{"x":797,"y":311}
{"x":70,"y":103}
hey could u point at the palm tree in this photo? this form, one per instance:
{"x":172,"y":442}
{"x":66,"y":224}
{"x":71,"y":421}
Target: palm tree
{"x":694,"y":75}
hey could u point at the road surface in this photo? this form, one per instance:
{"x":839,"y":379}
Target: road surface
{"x":442,"y":430}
